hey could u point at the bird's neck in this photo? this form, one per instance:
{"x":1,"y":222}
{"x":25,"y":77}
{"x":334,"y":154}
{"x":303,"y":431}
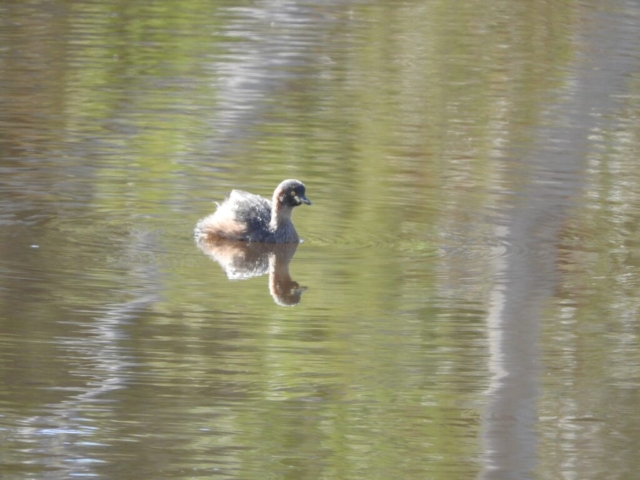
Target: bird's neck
{"x":280,"y":214}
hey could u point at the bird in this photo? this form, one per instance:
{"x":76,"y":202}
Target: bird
{"x":246,"y":217}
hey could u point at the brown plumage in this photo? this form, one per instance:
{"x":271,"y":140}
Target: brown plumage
{"x":251,"y":218}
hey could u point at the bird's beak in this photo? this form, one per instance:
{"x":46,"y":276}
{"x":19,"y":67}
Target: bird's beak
{"x":304,"y":199}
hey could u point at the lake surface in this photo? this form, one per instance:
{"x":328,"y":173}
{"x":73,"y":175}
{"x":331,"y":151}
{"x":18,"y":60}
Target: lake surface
{"x":465,"y":302}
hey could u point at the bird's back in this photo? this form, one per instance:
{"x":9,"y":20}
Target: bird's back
{"x":242,"y":216}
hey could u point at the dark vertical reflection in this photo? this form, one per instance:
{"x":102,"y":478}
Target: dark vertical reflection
{"x":526,"y":279}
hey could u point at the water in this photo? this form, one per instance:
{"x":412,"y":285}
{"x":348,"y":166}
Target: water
{"x":464,"y":303}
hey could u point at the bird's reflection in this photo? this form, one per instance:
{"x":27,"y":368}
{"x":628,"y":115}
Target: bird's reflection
{"x":242,"y":260}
